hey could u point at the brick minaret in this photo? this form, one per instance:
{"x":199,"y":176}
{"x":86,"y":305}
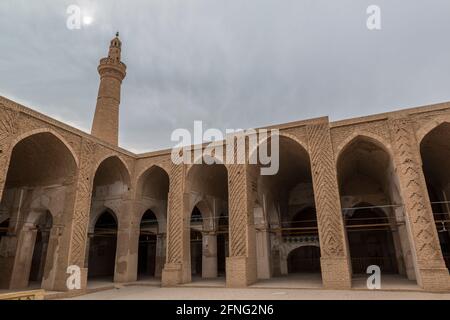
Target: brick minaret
{"x":112,"y":71}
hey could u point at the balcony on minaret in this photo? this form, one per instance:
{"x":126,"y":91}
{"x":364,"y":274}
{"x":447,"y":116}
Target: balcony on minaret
{"x":112,"y":71}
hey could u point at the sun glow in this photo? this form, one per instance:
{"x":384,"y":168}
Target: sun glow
{"x":87,"y":20}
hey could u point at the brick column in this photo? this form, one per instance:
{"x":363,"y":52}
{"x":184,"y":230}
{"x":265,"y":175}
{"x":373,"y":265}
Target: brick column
{"x":77,"y":224}
{"x":177,"y":268}
{"x":127,"y":246}
{"x":334,"y":258}
{"x":430,"y":268}
{"x":160,"y":254}
{"x":241,"y":263}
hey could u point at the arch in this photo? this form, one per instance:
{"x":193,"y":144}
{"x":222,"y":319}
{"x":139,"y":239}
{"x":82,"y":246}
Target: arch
{"x":124,"y":165}
{"x":285,"y":135}
{"x":150,"y":214}
{"x":40,"y":157}
{"x":103,"y":246}
{"x":204,"y":208}
{"x":93,"y":218}
{"x":147,"y":246}
{"x":45,"y":164}
{"x":369,"y":137}
{"x":201,"y":177}
{"x":207,"y":186}
{"x":435,"y":156}
{"x":148,"y":171}
{"x":162,"y":179}
{"x":28,"y":134}
{"x":358,"y":146}
{"x":194,"y":165}
{"x":429,"y":126}
{"x":368,"y":182}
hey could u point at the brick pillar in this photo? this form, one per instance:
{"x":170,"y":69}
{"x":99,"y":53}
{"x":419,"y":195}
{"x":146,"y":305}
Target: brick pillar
{"x":133,"y":247}
{"x":24,"y":256}
{"x":241,"y":263}
{"x":177,"y":268}
{"x":209,"y":254}
{"x":160,"y":254}
{"x":127,"y":246}
{"x":430,"y":268}
{"x":76,"y":237}
{"x":334,"y":258}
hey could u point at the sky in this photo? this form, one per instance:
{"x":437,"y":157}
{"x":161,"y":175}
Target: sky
{"x":229,"y":63}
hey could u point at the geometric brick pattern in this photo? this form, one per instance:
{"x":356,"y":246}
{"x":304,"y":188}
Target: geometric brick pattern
{"x":175,"y":214}
{"x":82,"y":204}
{"x":238,"y":209}
{"x":415,"y":196}
{"x":326,"y":192}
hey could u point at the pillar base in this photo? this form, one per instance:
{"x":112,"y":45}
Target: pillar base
{"x":434,"y":279}
{"x":241,"y":272}
{"x":171,"y":275}
{"x":336,"y":273}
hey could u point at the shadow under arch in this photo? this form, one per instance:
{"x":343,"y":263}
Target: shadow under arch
{"x":147,"y":249}
{"x":370,"y":237}
{"x":435,"y":154}
{"x":41,"y":169}
{"x":102,"y":247}
{"x":156,"y":176}
{"x":369,"y":186}
{"x":281,"y":196}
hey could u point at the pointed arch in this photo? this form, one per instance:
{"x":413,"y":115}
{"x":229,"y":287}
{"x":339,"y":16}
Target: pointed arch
{"x":57,"y":135}
{"x":370,"y":137}
{"x":429,"y":126}
{"x":123,"y":167}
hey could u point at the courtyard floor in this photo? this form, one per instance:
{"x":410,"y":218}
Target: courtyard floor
{"x":204,"y":293}
{"x":292,"y":287}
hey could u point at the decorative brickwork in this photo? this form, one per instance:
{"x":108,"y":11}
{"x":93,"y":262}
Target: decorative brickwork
{"x":417,"y":206}
{"x":334,"y":256}
{"x":8,"y":128}
{"x":82,"y":204}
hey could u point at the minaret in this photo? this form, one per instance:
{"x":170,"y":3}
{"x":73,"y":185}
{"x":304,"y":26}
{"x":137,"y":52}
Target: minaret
{"x":112,"y":71}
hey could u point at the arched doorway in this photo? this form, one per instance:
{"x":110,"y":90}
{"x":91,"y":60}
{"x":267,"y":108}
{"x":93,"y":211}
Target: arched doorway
{"x":147,"y":245}
{"x":304,"y":259}
{"x":152,"y":192}
{"x":285,"y":216}
{"x":43,"y":229}
{"x":40,"y":177}
{"x":372,"y":209}
{"x":102,"y":247}
{"x":435,"y":152}
{"x":208,"y":221}
{"x":303,"y":227}
{"x":370,"y":240}
{"x":111,"y":188}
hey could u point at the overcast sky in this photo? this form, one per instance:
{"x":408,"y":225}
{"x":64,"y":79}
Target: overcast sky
{"x":230,"y":63}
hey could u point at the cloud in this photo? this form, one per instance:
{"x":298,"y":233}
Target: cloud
{"x":232,"y":64}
